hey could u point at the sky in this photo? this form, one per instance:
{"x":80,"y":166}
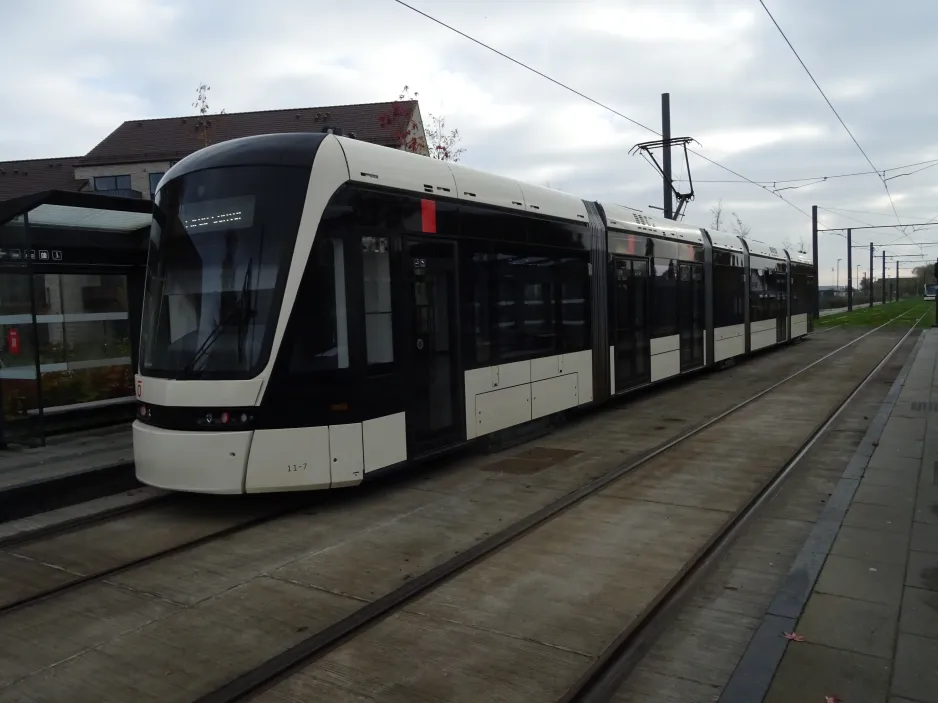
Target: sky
{"x":82,"y":68}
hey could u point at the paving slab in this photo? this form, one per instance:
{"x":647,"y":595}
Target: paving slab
{"x":920,"y":612}
{"x":879,"y":517}
{"x":916,"y":668}
{"x":924,"y":537}
{"x":874,"y":545}
{"x":811,"y":672}
{"x":888,"y":496}
{"x":849,"y":624}
{"x":923,"y":570}
{"x":863,"y":579}
{"x":898,"y":475}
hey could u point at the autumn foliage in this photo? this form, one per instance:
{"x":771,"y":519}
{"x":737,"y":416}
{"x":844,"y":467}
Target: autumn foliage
{"x":435,"y":140}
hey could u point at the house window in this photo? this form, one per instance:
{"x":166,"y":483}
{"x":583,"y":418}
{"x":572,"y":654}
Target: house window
{"x":105,"y":183}
{"x":154,"y":181}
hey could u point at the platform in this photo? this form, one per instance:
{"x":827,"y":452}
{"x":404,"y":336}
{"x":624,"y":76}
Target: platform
{"x":860,"y":603}
{"x":68,"y":469}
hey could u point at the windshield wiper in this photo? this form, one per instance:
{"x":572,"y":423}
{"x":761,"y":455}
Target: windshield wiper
{"x":243,"y":319}
{"x":239,"y":309}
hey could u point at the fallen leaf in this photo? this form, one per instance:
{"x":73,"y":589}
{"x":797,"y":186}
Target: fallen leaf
{"x":794,"y":637}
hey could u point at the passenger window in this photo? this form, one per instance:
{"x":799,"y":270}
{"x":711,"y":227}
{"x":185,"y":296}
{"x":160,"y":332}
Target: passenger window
{"x":321,"y":342}
{"x":664,"y":305}
{"x":376,"y":267}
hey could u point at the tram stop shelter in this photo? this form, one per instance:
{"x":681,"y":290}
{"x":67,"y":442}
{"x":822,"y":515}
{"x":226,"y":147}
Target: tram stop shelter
{"x":72,"y":270}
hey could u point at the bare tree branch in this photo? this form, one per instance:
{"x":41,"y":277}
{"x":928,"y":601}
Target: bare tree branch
{"x":442,"y":144}
{"x":203,"y":123}
{"x":717,"y":216}
{"x":739,"y":229}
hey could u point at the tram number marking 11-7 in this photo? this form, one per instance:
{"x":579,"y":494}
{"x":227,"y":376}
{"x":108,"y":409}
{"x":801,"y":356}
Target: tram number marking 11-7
{"x":296,"y":467}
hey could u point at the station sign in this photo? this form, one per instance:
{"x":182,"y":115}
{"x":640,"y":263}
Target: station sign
{"x":15,"y":254}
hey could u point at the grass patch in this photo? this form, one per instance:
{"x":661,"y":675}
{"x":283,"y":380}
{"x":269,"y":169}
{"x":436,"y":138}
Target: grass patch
{"x":906,"y":311}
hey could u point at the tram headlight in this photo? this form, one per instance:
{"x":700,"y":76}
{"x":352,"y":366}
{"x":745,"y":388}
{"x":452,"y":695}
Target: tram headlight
{"x":224,"y":419}
{"x":188,"y":419}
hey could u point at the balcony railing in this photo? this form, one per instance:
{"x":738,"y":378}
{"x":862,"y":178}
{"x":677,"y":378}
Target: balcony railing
{"x":122,"y":193}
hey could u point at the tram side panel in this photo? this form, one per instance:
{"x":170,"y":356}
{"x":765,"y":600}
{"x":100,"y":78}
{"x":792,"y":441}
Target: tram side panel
{"x":802,"y":283}
{"x":600,"y":272}
{"x":527,"y":318}
{"x":767,"y":302}
{"x":729,"y":314}
{"x":657,"y":309}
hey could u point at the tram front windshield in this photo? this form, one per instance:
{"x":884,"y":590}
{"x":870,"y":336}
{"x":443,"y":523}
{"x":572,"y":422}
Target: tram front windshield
{"x":220,"y":249}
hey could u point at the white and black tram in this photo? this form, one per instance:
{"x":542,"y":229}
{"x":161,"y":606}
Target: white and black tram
{"x":318,"y":309}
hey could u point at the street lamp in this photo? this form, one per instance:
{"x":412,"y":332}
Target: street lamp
{"x":838,"y":272}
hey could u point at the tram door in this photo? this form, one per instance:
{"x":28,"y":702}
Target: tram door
{"x":632,"y":352}
{"x":433,"y":398}
{"x":691,"y":315}
{"x":781,"y":305}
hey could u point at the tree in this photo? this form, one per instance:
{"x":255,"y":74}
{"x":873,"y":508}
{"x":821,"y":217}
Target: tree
{"x":717,"y":212}
{"x":201,"y":102}
{"x":400,"y":119}
{"x":924,"y":274}
{"x":435,"y":141}
{"x":442,"y":144}
{"x":786,"y":243}
{"x":739,"y":229}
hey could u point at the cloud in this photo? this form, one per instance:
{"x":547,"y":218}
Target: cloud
{"x":734,"y":84}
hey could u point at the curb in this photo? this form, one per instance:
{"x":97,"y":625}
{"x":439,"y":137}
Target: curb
{"x":42,"y":495}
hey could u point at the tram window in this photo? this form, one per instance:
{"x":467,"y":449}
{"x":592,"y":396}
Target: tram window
{"x":756,"y":295}
{"x":664,"y":298}
{"x":525,"y":305}
{"x":321,"y":343}
{"x":481,"y":318}
{"x":800,"y":293}
{"x":376,"y":275}
{"x":779,"y":277}
{"x":574,"y":305}
{"x":728,"y":296}
{"x":767,"y":289}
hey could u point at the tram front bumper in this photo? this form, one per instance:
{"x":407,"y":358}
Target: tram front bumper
{"x":196,"y":462}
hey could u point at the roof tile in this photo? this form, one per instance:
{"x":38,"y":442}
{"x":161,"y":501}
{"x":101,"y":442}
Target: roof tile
{"x":18,"y":178}
{"x":176,"y":137}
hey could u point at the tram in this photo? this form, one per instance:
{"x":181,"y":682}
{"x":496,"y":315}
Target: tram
{"x":319,"y":309}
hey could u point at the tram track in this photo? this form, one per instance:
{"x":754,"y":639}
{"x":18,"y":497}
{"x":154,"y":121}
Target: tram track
{"x":33,"y":534}
{"x":655,"y":418}
{"x":595,"y":681}
{"x":602,"y":681}
{"x":50,"y":572}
